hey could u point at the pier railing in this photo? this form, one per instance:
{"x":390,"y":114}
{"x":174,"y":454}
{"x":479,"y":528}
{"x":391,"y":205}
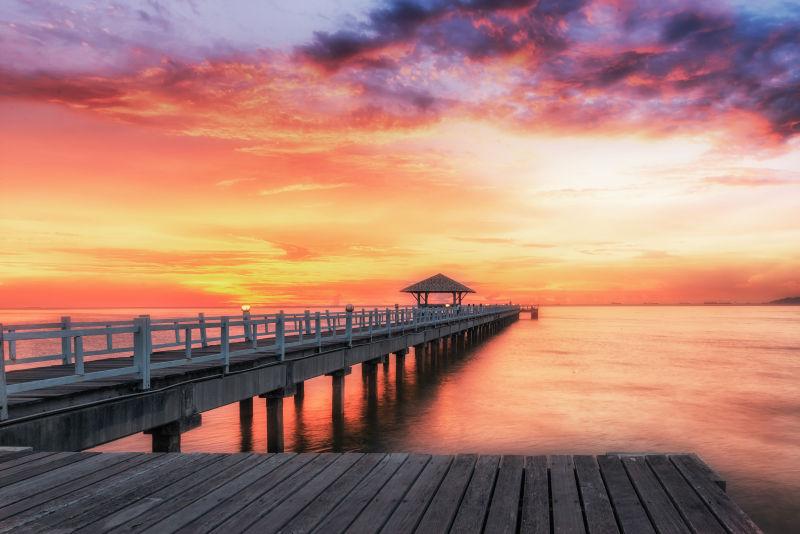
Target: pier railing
{"x":198,"y":339}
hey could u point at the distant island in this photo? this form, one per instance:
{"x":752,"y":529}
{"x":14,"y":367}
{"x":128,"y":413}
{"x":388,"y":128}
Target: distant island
{"x":788,"y":301}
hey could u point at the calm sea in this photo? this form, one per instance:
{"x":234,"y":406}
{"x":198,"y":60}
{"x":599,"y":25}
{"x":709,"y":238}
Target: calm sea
{"x":723,"y":382}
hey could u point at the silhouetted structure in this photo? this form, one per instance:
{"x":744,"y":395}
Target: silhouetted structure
{"x":438,"y":283}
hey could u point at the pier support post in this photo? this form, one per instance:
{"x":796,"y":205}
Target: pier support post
{"x":299,"y":392}
{"x":275,"y":424}
{"x":337,"y":381}
{"x":400,"y":364}
{"x":167,"y":437}
{"x":275,"y":417}
{"x":369,"y":370}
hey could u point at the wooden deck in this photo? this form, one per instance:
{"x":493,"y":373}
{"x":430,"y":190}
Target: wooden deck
{"x":397,"y":492}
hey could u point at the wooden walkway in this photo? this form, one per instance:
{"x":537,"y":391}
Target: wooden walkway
{"x":328,"y":493}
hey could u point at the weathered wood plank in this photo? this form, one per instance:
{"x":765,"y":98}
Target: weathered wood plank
{"x":662,"y":513}
{"x":8,"y":456}
{"x":503,"y":512}
{"x":536,"y":497}
{"x":51,"y":490}
{"x":344,"y":514}
{"x":375,"y":514}
{"x":143,"y":487}
{"x":89,"y":502}
{"x":444,"y":505}
{"x":41,"y":466}
{"x":631,"y":515}
{"x":15,"y":462}
{"x":140,"y":488}
{"x":405,"y":517}
{"x":148,"y":507}
{"x":567,"y":514}
{"x":365,"y":493}
{"x":471,"y":514}
{"x":278,"y":517}
{"x":267,"y":501}
{"x":230,"y":495}
{"x":688,"y":502}
{"x":726,"y":511}
{"x":596,"y":504}
{"x":326,"y":501}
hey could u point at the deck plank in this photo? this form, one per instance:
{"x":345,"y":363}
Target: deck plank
{"x":347,"y":510}
{"x":375,"y":514}
{"x":444,"y":505}
{"x":596,"y":503}
{"x":471,"y":514}
{"x":567,"y":513}
{"x":631,"y":515}
{"x":134,"y":515}
{"x":15,"y":462}
{"x":140,"y":488}
{"x":236,"y":493}
{"x":536,"y":497}
{"x":41,"y":466}
{"x":267,"y":501}
{"x":6,"y":457}
{"x":504,"y":510}
{"x":365,"y":493}
{"x":52,"y":489}
{"x":335,"y":493}
{"x":687,"y":501}
{"x":728,"y":513}
{"x":89,"y":502}
{"x":278,"y":517}
{"x":662,"y":512}
{"x":409,"y":511}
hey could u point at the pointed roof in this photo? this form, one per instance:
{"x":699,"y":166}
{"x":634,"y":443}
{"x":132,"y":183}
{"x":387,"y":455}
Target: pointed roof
{"x":437,"y":283}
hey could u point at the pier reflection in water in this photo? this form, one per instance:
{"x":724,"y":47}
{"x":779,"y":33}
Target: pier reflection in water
{"x":372,"y":418}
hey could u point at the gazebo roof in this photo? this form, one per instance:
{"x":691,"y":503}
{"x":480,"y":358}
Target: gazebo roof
{"x":438,"y":283}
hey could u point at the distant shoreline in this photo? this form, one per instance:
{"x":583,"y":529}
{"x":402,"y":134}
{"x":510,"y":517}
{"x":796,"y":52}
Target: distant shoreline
{"x":334,"y":306}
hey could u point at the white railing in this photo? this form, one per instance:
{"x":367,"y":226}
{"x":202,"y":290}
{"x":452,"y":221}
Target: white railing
{"x":199,"y":339}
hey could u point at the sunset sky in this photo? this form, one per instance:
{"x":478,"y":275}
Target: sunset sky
{"x":201,"y":153}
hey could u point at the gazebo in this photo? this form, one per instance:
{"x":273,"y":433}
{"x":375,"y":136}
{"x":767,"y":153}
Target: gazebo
{"x":438,"y":283}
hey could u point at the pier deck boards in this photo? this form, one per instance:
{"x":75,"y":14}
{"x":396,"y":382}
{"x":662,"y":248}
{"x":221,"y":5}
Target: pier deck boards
{"x":354,"y":492}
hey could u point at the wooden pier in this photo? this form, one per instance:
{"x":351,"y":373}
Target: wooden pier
{"x":363,"y":493}
{"x":113,"y":379}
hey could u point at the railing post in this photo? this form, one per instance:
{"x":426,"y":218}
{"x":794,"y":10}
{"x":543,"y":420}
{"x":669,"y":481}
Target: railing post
{"x":308,"y":323}
{"x":246,"y":325}
{"x":12,"y":347}
{"x":280,"y":335}
{"x":225,"y":341}
{"x":66,"y":321}
{"x":3,"y":391}
{"x":109,"y":340}
{"x":348,"y":325}
{"x":254,"y":334}
{"x":388,"y":322}
{"x":141,"y":349}
{"x":318,"y":327}
{"x":187,"y":334}
{"x":201,"y":318}
{"x":79,"y":370}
